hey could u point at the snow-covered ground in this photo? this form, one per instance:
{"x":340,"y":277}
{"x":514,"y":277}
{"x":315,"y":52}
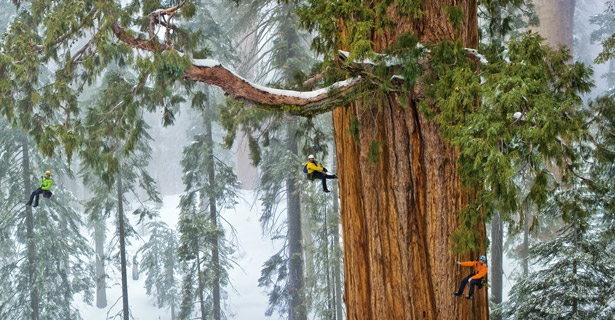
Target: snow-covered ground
{"x":246,"y":300}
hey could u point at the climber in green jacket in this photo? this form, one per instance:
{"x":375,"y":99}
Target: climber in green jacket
{"x":44,"y":188}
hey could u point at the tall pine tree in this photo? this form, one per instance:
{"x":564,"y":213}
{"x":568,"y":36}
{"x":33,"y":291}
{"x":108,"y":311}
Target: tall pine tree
{"x":115,"y":159}
{"x":210,"y":186}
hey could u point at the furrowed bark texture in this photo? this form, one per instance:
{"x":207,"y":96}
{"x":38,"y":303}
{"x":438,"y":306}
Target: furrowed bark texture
{"x":398,"y":216}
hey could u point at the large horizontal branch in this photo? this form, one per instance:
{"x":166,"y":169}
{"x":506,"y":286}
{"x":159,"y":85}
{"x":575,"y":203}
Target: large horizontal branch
{"x":299,"y":103}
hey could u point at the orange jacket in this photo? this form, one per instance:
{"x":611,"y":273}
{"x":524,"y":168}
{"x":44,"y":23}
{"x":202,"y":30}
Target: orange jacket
{"x":480,"y":270}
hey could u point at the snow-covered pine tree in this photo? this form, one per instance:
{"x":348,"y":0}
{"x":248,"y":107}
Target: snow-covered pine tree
{"x":43,"y":250}
{"x":279,"y":144}
{"x":605,"y":28}
{"x":571,"y":275}
{"x":161,"y":266}
{"x":115,"y":158}
{"x":323,"y":253}
{"x":499,"y":20}
{"x":605,"y":33}
{"x":210,"y":186}
{"x":601,"y":182}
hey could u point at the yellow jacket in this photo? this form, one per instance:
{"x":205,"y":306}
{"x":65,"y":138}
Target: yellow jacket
{"x":312,"y":166}
{"x":480,"y":270}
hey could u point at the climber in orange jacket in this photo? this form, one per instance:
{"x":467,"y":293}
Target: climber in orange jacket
{"x":480,"y":270}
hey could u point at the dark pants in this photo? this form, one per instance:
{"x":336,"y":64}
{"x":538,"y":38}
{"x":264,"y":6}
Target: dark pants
{"x":473,"y":282}
{"x":36,"y":193}
{"x":323,"y":177}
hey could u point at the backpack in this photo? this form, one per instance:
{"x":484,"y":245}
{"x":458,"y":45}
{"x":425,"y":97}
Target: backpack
{"x":310,"y":176}
{"x":47,"y":194}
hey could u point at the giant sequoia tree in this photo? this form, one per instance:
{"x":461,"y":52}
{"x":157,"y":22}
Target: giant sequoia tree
{"x":428,"y":135}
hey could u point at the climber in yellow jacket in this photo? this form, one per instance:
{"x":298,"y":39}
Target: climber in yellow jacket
{"x":45,"y":186}
{"x":480,"y":270}
{"x":315,"y":171}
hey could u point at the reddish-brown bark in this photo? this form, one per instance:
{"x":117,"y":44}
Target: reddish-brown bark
{"x":398,"y":215}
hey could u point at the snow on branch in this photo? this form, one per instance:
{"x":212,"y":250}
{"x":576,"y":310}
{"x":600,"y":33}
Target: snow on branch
{"x":474,"y":53}
{"x":392,"y":61}
{"x":209,"y":71}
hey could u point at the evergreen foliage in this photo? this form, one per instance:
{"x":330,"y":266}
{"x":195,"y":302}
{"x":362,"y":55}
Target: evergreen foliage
{"x":160,"y":264}
{"x":54,"y":50}
{"x":117,"y":149}
{"x":209,"y":184}
{"x":529,"y":115}
{"x":323,"y":252}
{"x":60,"y":272}
{"x":605,"y":33}
{"x":574,"y":274}
{"x":573,"y":277}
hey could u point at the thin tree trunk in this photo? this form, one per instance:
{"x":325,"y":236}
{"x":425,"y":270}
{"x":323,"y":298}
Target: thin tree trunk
{"x":496,"y":268}
{"x":122,"y":236}
{"x":171,"y":279}
{"x":135,"y":268}
{"x":201,"y":286}
{"x":526,"y":242}
{"x":101,"y":286}
{"x":30,"y":237}
{"x":296,"y":283}
{"x":328,"y":284}
{"x":213,"y":213}
{"x":399,"y":214}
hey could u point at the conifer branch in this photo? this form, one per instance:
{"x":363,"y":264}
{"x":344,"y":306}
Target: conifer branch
{"x":295,"y":102}
{"x":41,"y":48}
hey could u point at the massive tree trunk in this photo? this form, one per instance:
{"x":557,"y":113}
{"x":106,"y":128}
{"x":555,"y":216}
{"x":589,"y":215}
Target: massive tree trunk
{"x":398,"y":215}
{"x":556,"y":21}
{"x":30,"y":239}
{"x":296,"y":281}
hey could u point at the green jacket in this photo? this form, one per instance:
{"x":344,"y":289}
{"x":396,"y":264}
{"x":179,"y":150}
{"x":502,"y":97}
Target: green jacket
{"x":47,"y":183}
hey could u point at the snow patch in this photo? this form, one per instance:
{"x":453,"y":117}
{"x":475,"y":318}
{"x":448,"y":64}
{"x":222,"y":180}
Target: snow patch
{"x":303,"y":94}
{"x":482,"y":58}
{"x":207,"y":63}
{"x":245,"y":300}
